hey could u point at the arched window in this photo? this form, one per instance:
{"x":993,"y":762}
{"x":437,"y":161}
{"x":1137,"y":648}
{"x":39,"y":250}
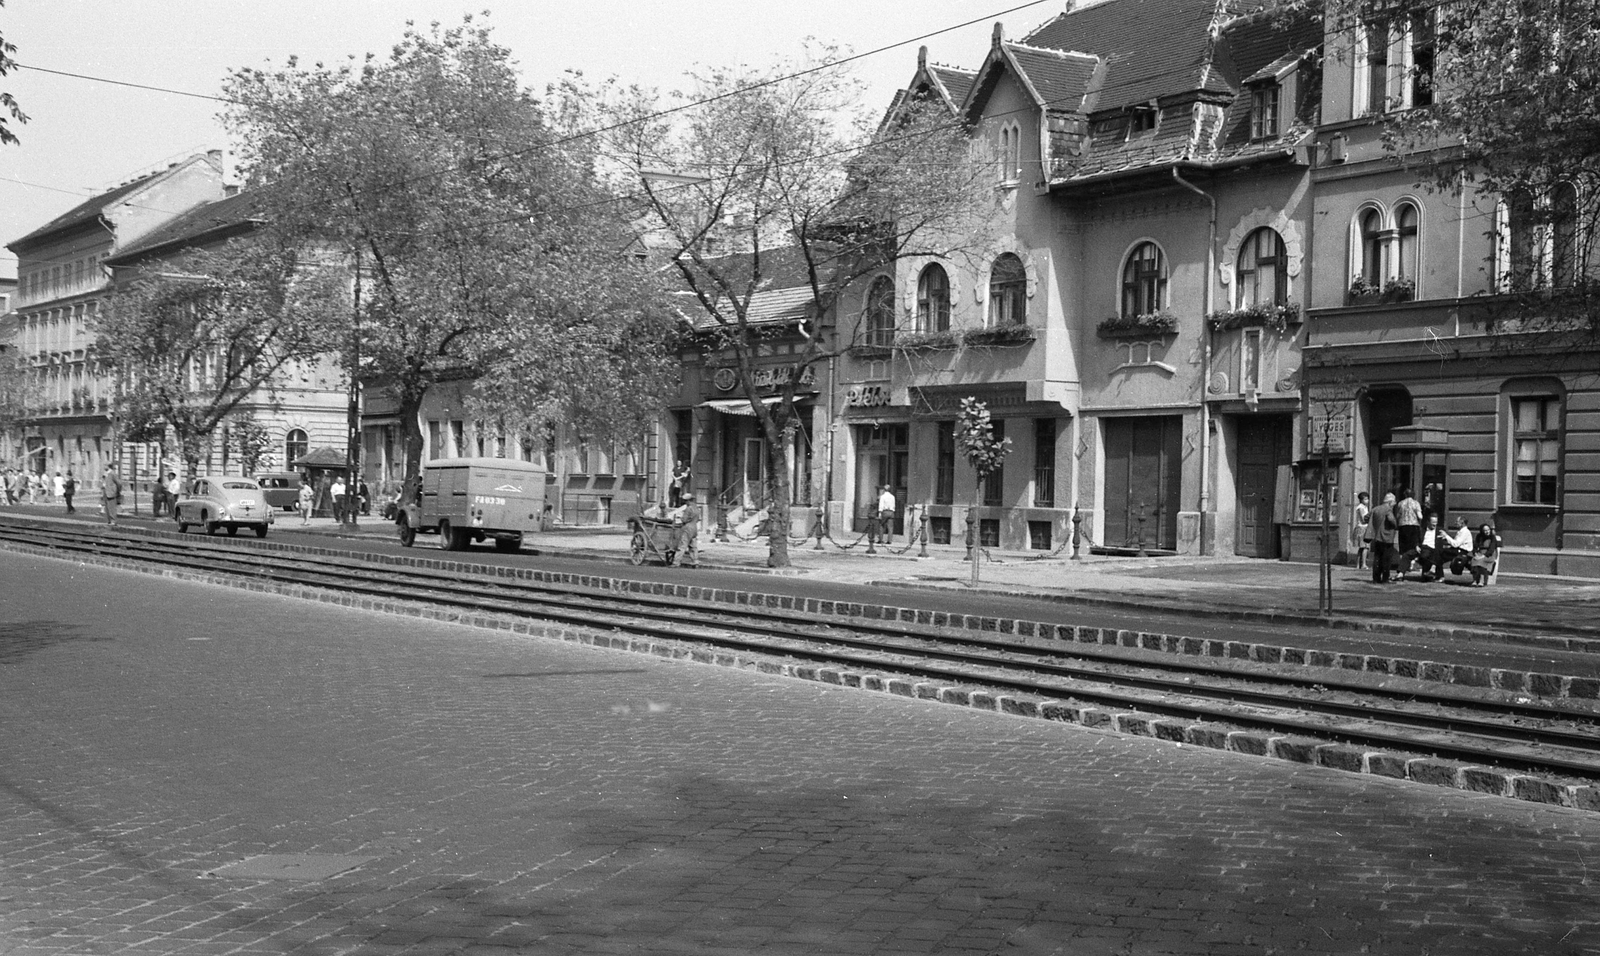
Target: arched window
{"x":295,"y":447}
{"x":1008,"y":292}
{"x":1263,"y":273}
{"x":1010,"y":152}
{"x":880,"y":313}
{"x":1372,"y":247}
{"x":1144,"y":281}
{"x":1405,"y":219}
{"x":933,"y":300}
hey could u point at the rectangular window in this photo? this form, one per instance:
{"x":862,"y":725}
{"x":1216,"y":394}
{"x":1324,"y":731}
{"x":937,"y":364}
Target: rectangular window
{"x":1044,"y":463}
{"x":944,"y":490}
{"x":989,"y":532}
{"x":1264,"y":112}
{"x":1250,"y":361}
{"x":1377,"y":67}
{"x":1039,"y":535}
{"x":994,"y":482}
{"x":1423,"y":54}
{"x":939,"y":530}
{"x":1536,"y":447}
{"x":458,"y":438}
{"x":435,"y":439}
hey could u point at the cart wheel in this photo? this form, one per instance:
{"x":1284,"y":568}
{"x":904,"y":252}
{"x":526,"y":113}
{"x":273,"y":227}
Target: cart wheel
{"x":636,"y":549}
{"x":447,"y":538}
{"x":408,"y":534}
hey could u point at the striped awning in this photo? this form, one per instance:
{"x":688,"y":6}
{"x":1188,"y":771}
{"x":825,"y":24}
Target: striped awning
{"x":735,"y":406}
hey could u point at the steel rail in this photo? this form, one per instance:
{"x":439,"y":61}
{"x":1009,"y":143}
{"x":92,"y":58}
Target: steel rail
{"x":1186,"y":699}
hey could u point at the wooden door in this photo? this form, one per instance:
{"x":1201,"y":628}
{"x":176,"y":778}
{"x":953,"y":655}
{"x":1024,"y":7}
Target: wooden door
{"x":1142,"y":480}
{"x":1263,"y":446}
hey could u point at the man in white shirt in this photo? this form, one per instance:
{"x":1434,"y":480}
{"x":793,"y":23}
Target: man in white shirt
{"x":337,"y":493}
{"x":885,"y":513}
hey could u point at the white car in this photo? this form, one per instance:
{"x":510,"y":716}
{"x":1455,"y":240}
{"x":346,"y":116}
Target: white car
{"x":223,"y":502}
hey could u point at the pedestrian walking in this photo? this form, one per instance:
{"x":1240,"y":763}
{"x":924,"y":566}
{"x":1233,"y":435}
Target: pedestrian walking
{"x":337,"y":494}
{"x":33,"y":487}
{"x":111,"y":493}
{"x":688,"y":543}
{"x":59,"y":484}
{"x":15,"y":485}
{"x":69,"y":487}
{"x":308,"y":499}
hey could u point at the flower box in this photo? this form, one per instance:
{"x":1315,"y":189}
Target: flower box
{"x":1149,"y":325}
{"x":999,"y":335}
{"x":1276,"y":317}
{"x":928,"y":340}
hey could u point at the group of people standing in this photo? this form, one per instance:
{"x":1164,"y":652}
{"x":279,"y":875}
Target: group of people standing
{"x":1398,"y":532}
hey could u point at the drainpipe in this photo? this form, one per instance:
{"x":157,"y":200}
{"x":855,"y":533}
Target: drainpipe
{"x":1205,"y":363}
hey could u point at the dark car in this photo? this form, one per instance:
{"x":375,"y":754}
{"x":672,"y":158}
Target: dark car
{"x":282,"y":489}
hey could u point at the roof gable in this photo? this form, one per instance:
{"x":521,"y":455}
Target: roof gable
{"x":204,"y":224}
{"x":92,"y":209}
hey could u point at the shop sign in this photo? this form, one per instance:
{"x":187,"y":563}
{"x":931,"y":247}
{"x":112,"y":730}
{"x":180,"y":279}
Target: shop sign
{"x":866,"y":396}
{"x":776,"y":376}
{"x":1328,"y":429}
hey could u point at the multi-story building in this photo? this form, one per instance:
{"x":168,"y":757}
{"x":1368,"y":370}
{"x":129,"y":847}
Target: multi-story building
{"x":1420,"y":373}
{"x":62,"y":283}
{"x":1132,"y":317}
{"x":305,"y":405}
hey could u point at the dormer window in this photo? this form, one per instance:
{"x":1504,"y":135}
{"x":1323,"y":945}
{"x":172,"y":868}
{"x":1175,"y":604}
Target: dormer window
{"x":1144,"y":118}
{"x":1264,"y":111}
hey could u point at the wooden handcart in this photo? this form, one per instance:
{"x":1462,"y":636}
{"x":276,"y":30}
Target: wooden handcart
{"x":655,"y":538}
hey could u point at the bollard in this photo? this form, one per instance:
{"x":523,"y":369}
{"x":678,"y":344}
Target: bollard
{"x":924,"y":522}
{"x":821,"y":530}
{"x":1077,"y":533}
{"x":872,"y":532}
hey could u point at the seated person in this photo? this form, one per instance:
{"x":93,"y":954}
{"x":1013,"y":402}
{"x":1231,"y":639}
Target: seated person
{"x":1430,"y":553}
{"x":1484,"y":546}
{"x":1458,"y":545}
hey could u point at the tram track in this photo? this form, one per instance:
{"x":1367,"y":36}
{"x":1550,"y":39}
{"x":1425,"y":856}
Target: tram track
{"x":1450,"y":722}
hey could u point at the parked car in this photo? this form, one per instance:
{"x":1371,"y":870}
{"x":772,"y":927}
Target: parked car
{"x":214,"y":502}
{"x":282,"y":488}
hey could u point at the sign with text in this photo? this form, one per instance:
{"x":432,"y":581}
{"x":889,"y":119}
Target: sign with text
{"x":775,"y":376}
{"x":1328,"y":428}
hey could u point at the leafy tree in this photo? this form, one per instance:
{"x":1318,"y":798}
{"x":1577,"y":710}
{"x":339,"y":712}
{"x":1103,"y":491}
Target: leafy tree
{"x":8,"y":103}
{"x":975,"y":437}
{"x":191,"y":338}
{"x":252,"y":440}
{"x":753,"y":178}
{"x":17,"y":397}
{"x":484,"y":246}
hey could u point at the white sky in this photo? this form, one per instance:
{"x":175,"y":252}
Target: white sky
{"x":85,"y":137}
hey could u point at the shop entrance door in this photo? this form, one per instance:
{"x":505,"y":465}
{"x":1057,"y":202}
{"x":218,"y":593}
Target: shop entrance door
{"x":1263,"y":446}
{"x":881,"y":458}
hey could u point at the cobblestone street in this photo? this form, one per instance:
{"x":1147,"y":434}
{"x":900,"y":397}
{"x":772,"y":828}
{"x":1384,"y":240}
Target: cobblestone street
{"x":495,"y":794}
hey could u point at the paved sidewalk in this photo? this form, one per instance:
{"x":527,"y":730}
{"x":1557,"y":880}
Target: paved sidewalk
{"x":1245,"y":588}
{"x":1230,"y":586}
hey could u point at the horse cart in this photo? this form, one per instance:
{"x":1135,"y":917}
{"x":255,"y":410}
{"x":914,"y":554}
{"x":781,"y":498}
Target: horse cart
{"x":656,"y":538}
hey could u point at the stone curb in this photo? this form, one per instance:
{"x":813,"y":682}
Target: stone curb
{"x":1334,"y":756}
{"x":1539,"y":684}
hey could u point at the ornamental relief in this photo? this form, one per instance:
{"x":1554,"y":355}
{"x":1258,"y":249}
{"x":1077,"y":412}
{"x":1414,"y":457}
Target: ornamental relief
{"x":980,"y":289}
{"x":1279,"y":222}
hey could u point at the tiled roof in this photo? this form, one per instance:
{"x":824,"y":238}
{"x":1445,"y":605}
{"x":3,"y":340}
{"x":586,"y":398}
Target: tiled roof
{"x":1061,"y":79}
{"x":1212,"y":122}
{"x":784,"y":293}
{"x":197,"y":226}
{"x":1153,"y":48}
{"x":956,"y":82}
{"x":86,"y":211}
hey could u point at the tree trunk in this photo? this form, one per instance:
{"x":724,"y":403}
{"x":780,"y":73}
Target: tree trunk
{"x":411,"y":428}
{"x":776,"y":425}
